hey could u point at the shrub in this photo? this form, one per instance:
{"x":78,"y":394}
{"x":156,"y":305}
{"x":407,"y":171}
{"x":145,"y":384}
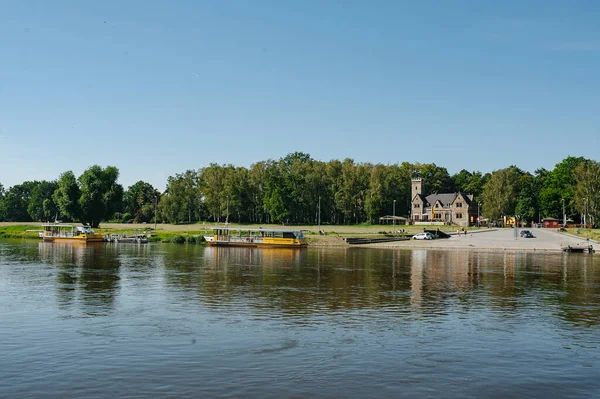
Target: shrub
{"x":178,"y":239}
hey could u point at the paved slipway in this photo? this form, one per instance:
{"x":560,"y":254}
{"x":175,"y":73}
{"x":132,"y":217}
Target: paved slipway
{"x":499,"y":239}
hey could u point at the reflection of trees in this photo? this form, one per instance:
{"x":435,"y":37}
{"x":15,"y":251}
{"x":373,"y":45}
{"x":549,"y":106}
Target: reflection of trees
{"x":319,"y":281}
{"x":86,"y":272}
{"x":427,"y":281}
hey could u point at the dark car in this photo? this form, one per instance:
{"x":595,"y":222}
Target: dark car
{"x":527,"y":234}
{"x":523,"y":232}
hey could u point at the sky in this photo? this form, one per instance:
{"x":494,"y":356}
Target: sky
{"x":159,"y":87}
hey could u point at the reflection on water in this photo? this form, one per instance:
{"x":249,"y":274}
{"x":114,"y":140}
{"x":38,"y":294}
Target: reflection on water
{"x":349,"y":322}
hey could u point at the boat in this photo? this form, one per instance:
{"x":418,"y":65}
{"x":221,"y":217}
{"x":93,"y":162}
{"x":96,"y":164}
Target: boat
{"x":578,"y":248}
{"x":70,"y":233}
{"x":258,"y":237}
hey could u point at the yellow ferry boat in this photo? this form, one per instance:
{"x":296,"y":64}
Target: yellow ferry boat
{"x":69,"y":233}
{"x":241,"y":237}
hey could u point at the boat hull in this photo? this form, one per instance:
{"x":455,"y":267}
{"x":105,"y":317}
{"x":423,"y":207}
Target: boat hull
{"x":83,"y":238}
{"x":253,"y":244}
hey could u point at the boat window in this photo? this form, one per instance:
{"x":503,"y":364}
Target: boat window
{"x":288,"y":234}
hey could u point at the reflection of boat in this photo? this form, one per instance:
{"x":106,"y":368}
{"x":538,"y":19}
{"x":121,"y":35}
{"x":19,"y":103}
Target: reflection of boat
{"x":67,"y":232}
{"x":136,"y":238}
{"x":240,"y":237}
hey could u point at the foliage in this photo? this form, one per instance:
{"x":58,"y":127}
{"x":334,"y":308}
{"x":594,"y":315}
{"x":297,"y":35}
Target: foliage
{"x":182,"y":200}
{"x":67,"y":195}
{"x":42,"y":206}
{"x":101,"y":195}
{"x":178,"y":239}
{"x":587,"y":190}
{"x":297,"y":189}
{"x":558,"y":185}
{"x":500,"y":193}
{"x":2,"y":209}
{"x":16,"y":201}
{"x":139,"y":200}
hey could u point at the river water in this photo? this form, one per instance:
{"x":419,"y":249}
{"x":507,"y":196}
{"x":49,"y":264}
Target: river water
{"x":167,"y":320}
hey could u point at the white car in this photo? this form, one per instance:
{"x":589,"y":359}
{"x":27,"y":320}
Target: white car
{"x":423,"y":236}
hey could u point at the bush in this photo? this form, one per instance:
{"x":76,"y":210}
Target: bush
{"x":178,"y":239}
{"x":191,"y":239}
{"x":126,"y":217}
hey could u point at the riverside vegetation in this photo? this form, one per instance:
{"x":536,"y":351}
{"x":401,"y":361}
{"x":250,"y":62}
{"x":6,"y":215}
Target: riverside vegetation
{"x":299,"y":190}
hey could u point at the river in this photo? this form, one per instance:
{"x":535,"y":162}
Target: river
{"x":167,"y":320}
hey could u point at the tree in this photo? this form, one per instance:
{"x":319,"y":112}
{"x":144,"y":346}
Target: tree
{"x":16,"y":200}
{"x":2,"y":209}
{"x":101,"y":195}
{"x":526,"y":206}
{"x":500,"y":193}
{"x":436,"y":178}
{"x":42,"y":206}
{"x":587,"y":189}
{"x":558,"y":186}
{"x":182,"y":198}
{"x":67,"y":195}
{"x":139,"y":201}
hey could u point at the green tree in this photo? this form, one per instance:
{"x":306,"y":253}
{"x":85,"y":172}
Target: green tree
{"x":182,"y":200}
{"x":139,"y":201}
{"x":67,"y":195}
{"x":2,"y":209}
{"x":436,"y":178}
{"x":101,"y":195}
{"x":500,"y":193}
{"x":559,"y":185}
{"x":587,"y":190}
{"x":42,"y":206}
{"x":16,"y":201}
{"x":526,"y":206}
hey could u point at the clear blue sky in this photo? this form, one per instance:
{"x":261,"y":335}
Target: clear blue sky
{"x":158,"y":87}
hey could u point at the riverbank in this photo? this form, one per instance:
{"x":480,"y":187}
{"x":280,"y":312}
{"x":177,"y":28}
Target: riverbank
{"x":334,"y":236}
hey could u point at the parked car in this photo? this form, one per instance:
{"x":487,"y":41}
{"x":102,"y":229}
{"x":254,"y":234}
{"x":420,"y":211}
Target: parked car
{"x":527,"y":234}
{"x":423,"y":236}
{"x":523,"y":232}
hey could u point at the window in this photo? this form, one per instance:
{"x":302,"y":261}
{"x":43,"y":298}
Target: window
{"x":459,"y":204}
{"x":416,"y":206}
{"x":437,"y":205}
{"x":437,"y":215}
{"x":459,"y":216}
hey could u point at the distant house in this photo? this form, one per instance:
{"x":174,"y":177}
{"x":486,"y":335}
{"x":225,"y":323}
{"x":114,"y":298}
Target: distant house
{"x":551,"y":223}
{"x":449,"y":208}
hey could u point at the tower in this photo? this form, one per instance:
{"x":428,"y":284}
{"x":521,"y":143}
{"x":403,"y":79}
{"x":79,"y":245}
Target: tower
{"x":417,"y":187}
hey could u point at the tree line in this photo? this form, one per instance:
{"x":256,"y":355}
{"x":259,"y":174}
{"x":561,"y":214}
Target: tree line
{"x":297,"y":189}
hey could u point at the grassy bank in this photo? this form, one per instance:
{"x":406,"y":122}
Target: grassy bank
{"x":19,"y":231}
{"x":30,"y":231}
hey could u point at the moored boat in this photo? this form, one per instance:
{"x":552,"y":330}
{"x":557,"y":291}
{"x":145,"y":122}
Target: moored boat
{"x":70,"y":233}
{"x":245,"y":237}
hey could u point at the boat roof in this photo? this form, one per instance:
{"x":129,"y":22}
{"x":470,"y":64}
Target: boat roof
{"x":64,"y":225}
{"x":254,"y":229}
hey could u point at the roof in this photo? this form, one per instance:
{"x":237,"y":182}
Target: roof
{"x":388,"y":217}
{"x":255,"y":229}
{"x":447,"y":198}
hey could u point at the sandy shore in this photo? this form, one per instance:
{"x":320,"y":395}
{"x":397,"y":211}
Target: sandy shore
{"x":500,"y":239}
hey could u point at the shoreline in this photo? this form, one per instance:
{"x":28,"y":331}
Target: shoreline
{"x":502,"y":239}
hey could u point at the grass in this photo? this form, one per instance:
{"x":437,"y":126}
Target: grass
{"x":19,"y":231}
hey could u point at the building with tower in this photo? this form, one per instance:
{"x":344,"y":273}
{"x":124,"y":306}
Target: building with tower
{"x":448,"y":208}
